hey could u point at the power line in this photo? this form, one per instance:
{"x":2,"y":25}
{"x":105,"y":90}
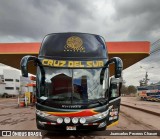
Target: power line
{"x":153,"y":58}
{"x":155,"y":46}
{"x":157,"y":41}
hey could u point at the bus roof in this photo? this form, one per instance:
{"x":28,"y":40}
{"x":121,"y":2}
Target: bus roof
{"x":74,"y":46}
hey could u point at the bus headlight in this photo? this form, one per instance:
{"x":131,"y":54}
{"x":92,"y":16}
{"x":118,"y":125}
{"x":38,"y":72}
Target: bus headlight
{"x":67,"y":120}
{"x":59,"y":120}
{"x":41,"y":113}
{"x":75,"y":120}
{"x":101,"y":115}
{"x":82,"y":120}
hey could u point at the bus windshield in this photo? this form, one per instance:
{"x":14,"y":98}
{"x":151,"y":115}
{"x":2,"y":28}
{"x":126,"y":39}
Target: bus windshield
{"x":73,"y":86}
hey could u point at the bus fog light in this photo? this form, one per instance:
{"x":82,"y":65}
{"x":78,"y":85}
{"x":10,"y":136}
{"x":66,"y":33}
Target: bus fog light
{"x":67,"y":120}
{"x":75,"y":120}
{"x":82,"y":120}
{"x":42,"y":113}
{"x":59,"y":120}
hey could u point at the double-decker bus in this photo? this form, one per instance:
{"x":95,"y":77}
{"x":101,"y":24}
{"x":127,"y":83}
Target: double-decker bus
{"x":73,"y":87}
{"x":150,"y":93}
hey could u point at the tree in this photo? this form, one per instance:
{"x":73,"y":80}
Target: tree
{"x":124,"y":90}
{"x":132,"y":89}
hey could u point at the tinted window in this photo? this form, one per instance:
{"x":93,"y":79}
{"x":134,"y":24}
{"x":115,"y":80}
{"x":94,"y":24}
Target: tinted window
{"x":77,"y":45}
{"x":11,"y":80}
{"x":9,"y":88}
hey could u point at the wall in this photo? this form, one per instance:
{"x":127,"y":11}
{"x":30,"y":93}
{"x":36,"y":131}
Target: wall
{"x":12,"y":80}
{"x":2,"y":88}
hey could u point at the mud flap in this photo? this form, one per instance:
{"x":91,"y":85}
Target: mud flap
{"x":114,"y":109}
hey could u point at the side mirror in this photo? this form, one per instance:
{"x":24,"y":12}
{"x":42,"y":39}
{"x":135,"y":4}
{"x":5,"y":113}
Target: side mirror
{"x":102,"y":75}
{"x":115,"y":80}
{"x":115,"y":87}
{"x":118,"y":66}
{"x":24,"y":64}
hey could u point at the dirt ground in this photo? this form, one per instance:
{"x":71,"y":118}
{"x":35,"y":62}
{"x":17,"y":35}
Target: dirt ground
{"x":135,"y":101}
{"x":23,"y":118}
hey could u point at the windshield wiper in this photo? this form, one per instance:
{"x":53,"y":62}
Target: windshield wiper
{"x":100,"y":101}
{"x":41,"y":100}
{"x":56,"y":98}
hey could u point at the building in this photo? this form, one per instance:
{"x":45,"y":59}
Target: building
{"x":2,"y":85}
{"x":10,"y":82}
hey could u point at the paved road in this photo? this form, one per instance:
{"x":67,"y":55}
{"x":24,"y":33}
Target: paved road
{"x":149,"y":105}
{"x":13,"y":118}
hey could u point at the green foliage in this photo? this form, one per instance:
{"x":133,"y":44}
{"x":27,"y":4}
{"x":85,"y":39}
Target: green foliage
{"x":128,"y":90}
{"x":132,"y":89}
{"x":124,"y":90}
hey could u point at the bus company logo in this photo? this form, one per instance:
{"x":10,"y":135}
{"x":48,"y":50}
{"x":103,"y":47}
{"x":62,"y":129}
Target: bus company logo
{"x":74,"y":44}
{"x":6,"y":133}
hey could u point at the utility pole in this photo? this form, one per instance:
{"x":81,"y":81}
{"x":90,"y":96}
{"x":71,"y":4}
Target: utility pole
{"x":145,"y":80}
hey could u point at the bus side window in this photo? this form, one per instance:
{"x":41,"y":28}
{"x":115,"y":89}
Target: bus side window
{"x":114,"y":90}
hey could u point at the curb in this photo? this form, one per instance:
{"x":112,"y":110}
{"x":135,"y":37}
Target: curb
{"x":141,"y":109}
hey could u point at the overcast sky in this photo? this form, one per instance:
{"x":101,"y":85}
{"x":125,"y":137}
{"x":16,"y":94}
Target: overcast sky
{"x":115,"y":20}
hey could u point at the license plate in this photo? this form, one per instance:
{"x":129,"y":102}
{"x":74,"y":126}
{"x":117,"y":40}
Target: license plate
{"x":70,"y":127}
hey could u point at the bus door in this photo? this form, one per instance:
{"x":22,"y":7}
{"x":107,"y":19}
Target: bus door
{"x":114,"y":101}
